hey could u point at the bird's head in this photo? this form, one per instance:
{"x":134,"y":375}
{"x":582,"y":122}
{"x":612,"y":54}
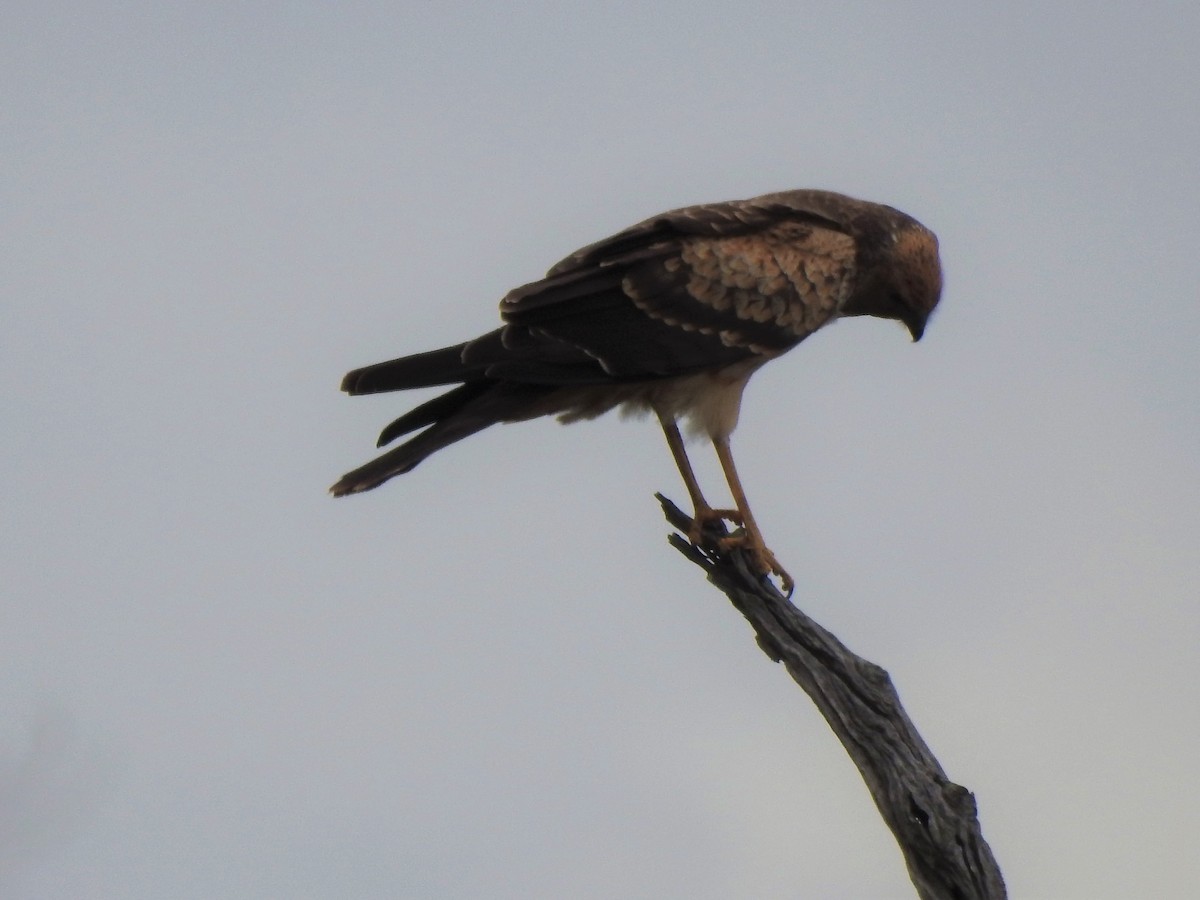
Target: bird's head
{"x":917,"y":277}
{"x":906,"y":281}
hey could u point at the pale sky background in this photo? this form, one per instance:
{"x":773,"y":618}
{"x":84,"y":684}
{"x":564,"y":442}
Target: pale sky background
{"x":493,"y":678}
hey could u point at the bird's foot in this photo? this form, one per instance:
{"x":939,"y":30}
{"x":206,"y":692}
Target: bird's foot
{"x":706,"y":516}
{"x":761,"y":558}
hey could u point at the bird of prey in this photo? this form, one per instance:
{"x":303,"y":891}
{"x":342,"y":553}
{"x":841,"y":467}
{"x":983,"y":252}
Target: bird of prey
{"x":670,"y":316}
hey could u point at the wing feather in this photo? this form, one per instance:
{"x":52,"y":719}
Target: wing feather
{"x":714,"y":286}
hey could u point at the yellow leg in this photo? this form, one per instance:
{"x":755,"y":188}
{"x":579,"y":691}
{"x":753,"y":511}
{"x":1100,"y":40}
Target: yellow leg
{"x":703,"y":512}
{"x":752,"y":539}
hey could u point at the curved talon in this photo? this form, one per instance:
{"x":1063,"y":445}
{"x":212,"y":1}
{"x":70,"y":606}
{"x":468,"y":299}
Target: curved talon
{"x":786,"y":583}
{"x":762,"y":559}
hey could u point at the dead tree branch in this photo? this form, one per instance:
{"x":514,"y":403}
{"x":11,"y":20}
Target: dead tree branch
{"x":933,"y":819}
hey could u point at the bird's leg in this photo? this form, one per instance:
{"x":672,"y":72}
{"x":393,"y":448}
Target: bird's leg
{"x":703,"y":512}
{"x":751,"y":539}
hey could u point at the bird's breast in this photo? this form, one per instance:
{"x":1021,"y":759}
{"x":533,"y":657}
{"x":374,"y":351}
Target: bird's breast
{"x":709,"y":402}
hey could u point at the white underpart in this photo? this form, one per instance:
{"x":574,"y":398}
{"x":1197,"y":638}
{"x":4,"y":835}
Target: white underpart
{"x":708,"y":402}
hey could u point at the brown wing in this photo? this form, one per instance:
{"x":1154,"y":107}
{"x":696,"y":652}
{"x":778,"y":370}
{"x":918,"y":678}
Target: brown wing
{"x":696,"y":289}
{"x":764,"y":291}
{"x":736,"y":217}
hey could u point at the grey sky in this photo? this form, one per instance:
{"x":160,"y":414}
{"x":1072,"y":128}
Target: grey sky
{"x":492,"y":678}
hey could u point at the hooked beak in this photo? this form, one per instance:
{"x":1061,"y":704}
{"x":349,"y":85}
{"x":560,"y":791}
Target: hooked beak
{"x":916,"y":327}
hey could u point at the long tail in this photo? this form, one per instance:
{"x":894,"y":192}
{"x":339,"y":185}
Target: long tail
{"x":477,"y":402}
{"x":436,"y":367}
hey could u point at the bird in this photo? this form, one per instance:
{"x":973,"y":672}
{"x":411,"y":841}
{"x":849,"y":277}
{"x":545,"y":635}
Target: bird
{"x":669,"y":317}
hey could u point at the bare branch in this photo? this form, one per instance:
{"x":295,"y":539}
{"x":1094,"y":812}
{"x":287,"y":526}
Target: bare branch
{"x":933,"y":819}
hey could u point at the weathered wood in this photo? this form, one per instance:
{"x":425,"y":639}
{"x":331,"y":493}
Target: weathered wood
{"x":933,"y":819}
